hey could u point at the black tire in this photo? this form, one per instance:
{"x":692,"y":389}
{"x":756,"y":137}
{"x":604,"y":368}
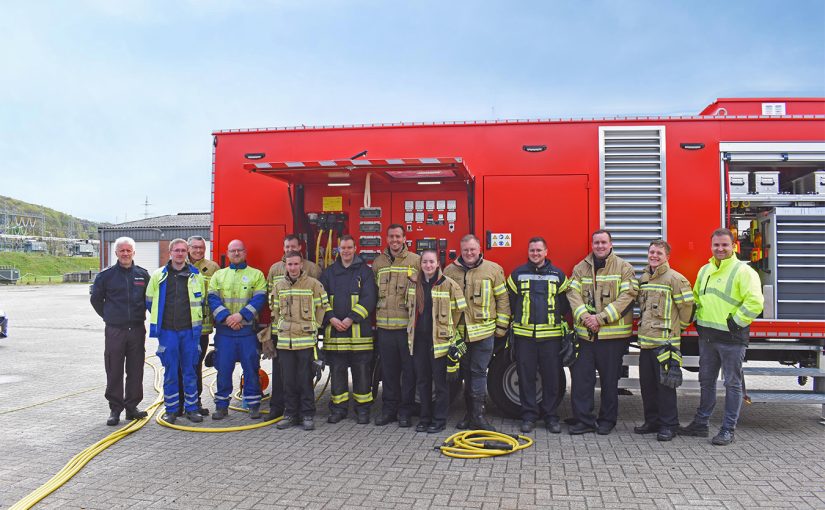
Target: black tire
{"x":502,"y":385}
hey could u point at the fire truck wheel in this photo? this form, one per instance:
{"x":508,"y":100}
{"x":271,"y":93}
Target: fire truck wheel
{"x":502,"y":385}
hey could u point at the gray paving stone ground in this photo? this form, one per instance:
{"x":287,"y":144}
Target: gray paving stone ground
{"x":52,"y":407}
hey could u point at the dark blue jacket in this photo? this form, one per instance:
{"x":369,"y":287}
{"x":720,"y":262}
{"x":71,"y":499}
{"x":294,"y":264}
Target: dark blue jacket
{"x":119,"y":295}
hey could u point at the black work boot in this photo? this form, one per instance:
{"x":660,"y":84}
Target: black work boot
{"x":114,"y":418}
{"x":464,"y":424}
{"x":477,"y":419}
{"x":694,"y":429}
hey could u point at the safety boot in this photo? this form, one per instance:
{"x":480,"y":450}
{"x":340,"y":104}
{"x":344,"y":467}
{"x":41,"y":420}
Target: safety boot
{"x":464,"y":424}
{"x":308,"y":423}
{"x":114,"y":419}
{"x":134,"y":414}
{"x":169,"y":417}
{"x":477,"y":419}
{"x":286,"y":422}
{"x":254,"y":412}
{"x":337,"y":416}
{"x":220,"y":413}
{"x":723,"y":438}
{"x":194,"y":416}
{"x":694,"y":429}
{"x":362,"y":417}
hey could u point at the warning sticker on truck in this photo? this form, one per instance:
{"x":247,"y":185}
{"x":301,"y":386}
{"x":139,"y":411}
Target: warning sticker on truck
{"x":501,"y":240}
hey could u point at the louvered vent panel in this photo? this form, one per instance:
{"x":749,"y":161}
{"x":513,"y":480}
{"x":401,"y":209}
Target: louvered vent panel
{"x":632,"y":174}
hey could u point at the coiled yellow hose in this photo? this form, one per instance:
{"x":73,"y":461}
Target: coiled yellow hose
{"x":479,"y":444}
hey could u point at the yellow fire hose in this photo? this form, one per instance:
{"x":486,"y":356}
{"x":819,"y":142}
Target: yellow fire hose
{"x":81,"y":459}
{"x":480,"y":444}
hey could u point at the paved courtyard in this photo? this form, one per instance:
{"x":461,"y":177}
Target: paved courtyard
{"x":52,"y":407}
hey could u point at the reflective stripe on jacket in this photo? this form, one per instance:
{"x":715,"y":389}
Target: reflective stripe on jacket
{"x":537,"y":300}
{"x":732,"y":289}
{"x":666,"y":304}
{"x":156,"y":299}
{"x":393,"y":275}
{"x":610,"y":299}
{"x":352,"y":294}
{"x":237,"y":289}
{"x":448,"y":305}
{"x":206,"y":268}
{"x":488,"y":305}
{"x":298,"y":310}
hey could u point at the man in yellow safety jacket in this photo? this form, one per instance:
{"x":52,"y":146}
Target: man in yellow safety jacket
{"x":298,"y":304}
{"x":237,"y":294}
{"x":602,"y":290}
{"x":666,"y":305}
{"x":728,"y":295}
{"x":487,"y":316}
{"x":394,"y":271}
{"x":175,"y":300}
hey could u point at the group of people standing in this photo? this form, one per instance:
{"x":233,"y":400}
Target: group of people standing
{"x":427,"y":323}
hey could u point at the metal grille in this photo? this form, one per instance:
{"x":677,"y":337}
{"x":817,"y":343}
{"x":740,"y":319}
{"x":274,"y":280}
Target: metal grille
{"x":632,"y":181}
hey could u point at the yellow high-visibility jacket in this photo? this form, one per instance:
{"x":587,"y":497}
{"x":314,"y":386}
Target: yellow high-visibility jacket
{"x":731,"y":288}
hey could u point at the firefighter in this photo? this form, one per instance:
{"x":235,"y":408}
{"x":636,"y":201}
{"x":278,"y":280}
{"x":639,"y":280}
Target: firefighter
{"x":435,"y":307}
{"x":666,"y":310}
{"x":206,"y":267}
{"x":237,"y":294}
{"x":119,"y":297}
{"x":350,"y":285}
{"x":299,"y":303}
{"x":728,"y":296}
{"x":487,"y":316}
{"x":175,"y":300}
{"x":538,"y":304}
{"x":602,"y":290}
{"x":276,"y":274}
{"x":394,"y":269}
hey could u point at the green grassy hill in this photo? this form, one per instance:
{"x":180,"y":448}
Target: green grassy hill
{"x":38,"y":268}
{"x":58,"y":224}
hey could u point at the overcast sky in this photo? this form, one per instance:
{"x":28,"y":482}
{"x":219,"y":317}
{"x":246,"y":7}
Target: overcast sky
{"x":102,"y":102}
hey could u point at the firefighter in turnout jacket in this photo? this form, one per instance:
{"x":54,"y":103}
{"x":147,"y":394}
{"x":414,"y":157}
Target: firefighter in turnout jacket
{"x":602,"y":290}
{"x":350,"y":285}
{"x":728,"y":296}
{"x":276,"y":274}
{"x":206,"y":267}
{"x":666,"y":306}
{"x":487,"y":315}
{"x":539,"y":305}
{"x":435,"y":306}
{"x":298,"y":304}
{"x":394,"y":270}
{"x":175,"y":300}
{"x":237,"y":294}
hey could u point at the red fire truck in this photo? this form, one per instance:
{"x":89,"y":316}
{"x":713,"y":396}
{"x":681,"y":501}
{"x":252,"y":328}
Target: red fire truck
{"x":754,"y":165}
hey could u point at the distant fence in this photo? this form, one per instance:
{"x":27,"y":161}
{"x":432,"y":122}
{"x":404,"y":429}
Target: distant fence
{"x":80,"y":277}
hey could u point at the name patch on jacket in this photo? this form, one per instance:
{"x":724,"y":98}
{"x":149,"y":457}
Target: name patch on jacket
{"x":140,"y":281}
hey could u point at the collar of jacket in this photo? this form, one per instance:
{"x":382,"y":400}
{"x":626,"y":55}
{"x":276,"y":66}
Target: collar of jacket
{"x":190,"y":266}
{"x":402,"y":254}
{"x":296,"y":280}
{"x":545,"y":267}
{"x":460,"y":262}
{"x":117,"y":265}
{"x":242,"y":265}
{"x":438,"y":278}
{"x":339,"y":266}
{"x":725,"y":263}
{"x":591,"y":258}
{"x":660,"y":270}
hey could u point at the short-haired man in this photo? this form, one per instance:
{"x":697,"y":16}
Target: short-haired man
{"x":175,"y":300}
{"x":666,"y":306}
{"x":602,"y":290}
{"x":728,"y":295}
{"x":237,"y":294}
{"x":206,"y":267}
{"x":539,"y":305}
{"x":299,"y":303}
{"x":119,"y":297}
{"x":395,"y":269}
{"x":487,"y":316}
{"x":276,"y":273}
{"x":350,"y":284}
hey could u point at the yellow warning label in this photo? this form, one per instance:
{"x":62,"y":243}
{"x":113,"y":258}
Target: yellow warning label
{"x":333,"y":204}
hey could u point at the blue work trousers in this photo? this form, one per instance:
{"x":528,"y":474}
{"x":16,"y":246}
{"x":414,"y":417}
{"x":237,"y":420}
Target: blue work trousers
{"x":179,"y":351}
{"x":714,"y":356}
{"x":228,"y":351}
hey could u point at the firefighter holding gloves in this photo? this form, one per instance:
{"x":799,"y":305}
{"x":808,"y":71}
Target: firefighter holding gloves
{"x":728,"y":296}
{"x":666,"y":306}
{"x":487,"y":316}
{"x":237,"y":294}
{"x":348,"y":343}
{"x":602,"y":290}
{"x":175,"y":300}
{"x":435,"y":306}
{"x":538,"y":303}
{"x":395,"y":268}
{"x":298,"y":304}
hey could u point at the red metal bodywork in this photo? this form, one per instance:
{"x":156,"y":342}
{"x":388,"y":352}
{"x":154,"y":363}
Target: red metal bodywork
{"x":554,"y":193}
